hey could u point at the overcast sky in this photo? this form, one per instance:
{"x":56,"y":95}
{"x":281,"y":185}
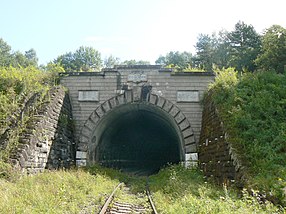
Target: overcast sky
{"x":128,"y":29}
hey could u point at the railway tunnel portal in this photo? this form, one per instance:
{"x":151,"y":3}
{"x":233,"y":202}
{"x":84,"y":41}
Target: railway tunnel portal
{"x":136,"y":118}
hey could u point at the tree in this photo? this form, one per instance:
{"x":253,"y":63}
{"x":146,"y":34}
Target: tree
{"x":87,"y":59}
{"x":205,"y":52}
{"x":31,"y":56}
{"x":134,"y":62}
{"x":67,"y":61}
{"x":16,"y":59}
{"x":245,"y":44}
{"x":111,"y":61}
{"x":83,"y":59}
{"x":273,"y":55}
{"x":5,"y":54}
{"x":221,"y":56}
{"x":179,"y":60}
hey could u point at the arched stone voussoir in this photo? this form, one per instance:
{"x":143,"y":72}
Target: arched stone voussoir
{"x":113,"y":102}
{"x":153,"y":99}
{"x":159,"y":103}
{"x":99,"y":111}
{"x":94,"y":117}
{"x":106,"y":107}
{"x":182,"y":122}
{"x":121,"y":99}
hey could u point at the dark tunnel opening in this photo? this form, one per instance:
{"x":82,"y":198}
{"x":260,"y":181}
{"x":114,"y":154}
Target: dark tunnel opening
{"x":138,"y":139}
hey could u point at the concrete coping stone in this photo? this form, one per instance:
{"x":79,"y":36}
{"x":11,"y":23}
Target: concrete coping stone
{"x":94,"y":73}
{"x":193,"y":73}
{"x":137,"y":67}
{"x":169,"y":70}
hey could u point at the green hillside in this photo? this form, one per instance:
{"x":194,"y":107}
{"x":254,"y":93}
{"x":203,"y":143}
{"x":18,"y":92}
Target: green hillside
{"x":253,"y":109}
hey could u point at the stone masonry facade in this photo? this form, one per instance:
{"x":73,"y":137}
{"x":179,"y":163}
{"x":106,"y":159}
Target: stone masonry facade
{"x":90,"y":90}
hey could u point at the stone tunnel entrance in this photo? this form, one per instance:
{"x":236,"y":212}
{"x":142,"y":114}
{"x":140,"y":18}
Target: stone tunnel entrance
{"x":138,"y":138}
{"x":136,"y":135}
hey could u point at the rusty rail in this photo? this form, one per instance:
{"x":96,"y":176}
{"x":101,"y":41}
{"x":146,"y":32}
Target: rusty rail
{"x":109,"y":200}
{"x":105,"y":206}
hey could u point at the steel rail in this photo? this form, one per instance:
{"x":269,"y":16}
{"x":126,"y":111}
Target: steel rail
{"x":105,"y":206}
{"x":150,"y":198}
{"x":108,"y":201}
{"x":151,"y":202}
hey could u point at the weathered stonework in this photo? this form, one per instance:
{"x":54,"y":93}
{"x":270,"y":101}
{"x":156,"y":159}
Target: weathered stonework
{"x":217,"y":158}
{"x":130,"y":84}
{"x":48,"y":140}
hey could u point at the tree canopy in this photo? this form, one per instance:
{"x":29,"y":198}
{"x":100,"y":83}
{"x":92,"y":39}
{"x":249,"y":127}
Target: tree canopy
{"x":16,"y":59}
{"x":135,"y":62}
{"x":176,"y":59}
{"x":273,"y":55}
{"x":238,"y":48}
{"x":83,"y":59}
{"x":111,"y":61}
{"x":205,"y":52}
{"x":242,"y":49}
{"x":244,"y":45}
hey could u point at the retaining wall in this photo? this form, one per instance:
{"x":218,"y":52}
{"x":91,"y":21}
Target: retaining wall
{"x":47,"y":141}
{"x":217,"y":158}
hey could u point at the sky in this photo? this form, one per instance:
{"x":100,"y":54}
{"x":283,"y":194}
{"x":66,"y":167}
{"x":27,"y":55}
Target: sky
{"x":127,"y":29}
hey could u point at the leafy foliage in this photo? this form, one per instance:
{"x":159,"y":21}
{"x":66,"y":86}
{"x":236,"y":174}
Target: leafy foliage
{"x":179,"y":190}
{"x":135,"y":62}
{"x":178,"y":60}
{"x":17,"y":85}
{"x":174,"y":190}
{"x":83,"y":59}
{"x":16,"y":59}
{"x":111,"y":61}
{"x":273,"y":56}
{"x":56,"y":192}
{"x":238,"y":48}
{"x":245,"y":46}
{"x":253,"y":110}
{"x":205,"y":52}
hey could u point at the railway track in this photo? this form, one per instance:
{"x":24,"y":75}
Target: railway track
{"x":122,"y":200}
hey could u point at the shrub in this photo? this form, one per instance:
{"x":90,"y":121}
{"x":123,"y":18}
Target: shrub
{"x":253,"y":110}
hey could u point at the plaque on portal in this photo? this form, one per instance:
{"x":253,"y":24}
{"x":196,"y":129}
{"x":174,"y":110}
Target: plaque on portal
{"x":188,"y":96}
{"x":88,"y":96}
{"x":137,"y":77}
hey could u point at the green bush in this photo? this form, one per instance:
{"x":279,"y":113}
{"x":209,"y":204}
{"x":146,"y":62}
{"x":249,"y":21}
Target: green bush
{"x":56,"y":192}
{"x":253,"y":109}
{"x":17,"y":85}
{"x":179,"y":190}
{"x":174,"y":190}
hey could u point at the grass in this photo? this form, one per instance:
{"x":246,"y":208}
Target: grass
{"x":252,"y":107}
{"x":174,"y":190}
{"x":179,"y":190}
{"x":55,"y":192}
{"x":17,"y":86}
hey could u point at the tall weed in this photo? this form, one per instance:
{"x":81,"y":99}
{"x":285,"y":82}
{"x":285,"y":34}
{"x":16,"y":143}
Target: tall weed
{"x":253,"y":110}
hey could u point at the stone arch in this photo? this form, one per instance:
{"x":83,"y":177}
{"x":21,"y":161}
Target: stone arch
{"x":163,"y":107}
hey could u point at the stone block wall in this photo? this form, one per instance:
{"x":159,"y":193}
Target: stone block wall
{"x":112,"y":82}
{"x":217,"y":158}
{"x":47,"y":141}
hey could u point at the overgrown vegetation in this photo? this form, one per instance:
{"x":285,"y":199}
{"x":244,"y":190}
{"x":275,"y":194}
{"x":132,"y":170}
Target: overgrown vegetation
{"x":253,"y":109}
{"x":56,"y":192}
{"x":17,"y":87}
{"x":174,"y":190}
{"x":179,"y":190}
